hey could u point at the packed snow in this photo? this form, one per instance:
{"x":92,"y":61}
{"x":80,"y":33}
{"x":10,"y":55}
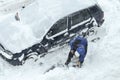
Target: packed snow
{"x":35,"y":20}
{"x":102,"y":60}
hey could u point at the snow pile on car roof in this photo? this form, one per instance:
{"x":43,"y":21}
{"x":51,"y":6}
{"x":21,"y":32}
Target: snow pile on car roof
{"x":35,"y":21}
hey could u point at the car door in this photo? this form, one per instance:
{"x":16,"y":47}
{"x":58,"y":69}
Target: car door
{"x":65,"y":27}
{"x":57,"y":32}
{"x":78,"y":21}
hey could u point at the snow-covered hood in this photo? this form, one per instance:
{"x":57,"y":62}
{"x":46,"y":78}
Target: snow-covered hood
{"x":35,"y":20}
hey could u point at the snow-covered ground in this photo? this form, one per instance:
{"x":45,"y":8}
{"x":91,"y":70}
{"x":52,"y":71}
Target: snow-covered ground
{"x":102,"y":60}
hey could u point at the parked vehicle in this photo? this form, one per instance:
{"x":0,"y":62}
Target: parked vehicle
{"x":60,"y":33}
{"x":73,"y":24}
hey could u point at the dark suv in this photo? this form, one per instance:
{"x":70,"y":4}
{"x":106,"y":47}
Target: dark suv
{"x":60,"y":33}
{"x":72,"y":24}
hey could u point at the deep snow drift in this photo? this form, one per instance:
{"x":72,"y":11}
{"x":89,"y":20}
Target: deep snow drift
{"x":35,"y":20}
{"x":102,"y":61}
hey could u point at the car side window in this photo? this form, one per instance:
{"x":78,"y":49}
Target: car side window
{"x":85,"y":14}
{"x":58,"y":27}
{"x":76,"y":18}
{"x":73,"y":19}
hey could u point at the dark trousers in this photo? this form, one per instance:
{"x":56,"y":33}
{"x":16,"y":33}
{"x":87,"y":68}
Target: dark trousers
{"x":70,"y":56}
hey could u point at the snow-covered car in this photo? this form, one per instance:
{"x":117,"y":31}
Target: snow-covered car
{"x":59,"y":33}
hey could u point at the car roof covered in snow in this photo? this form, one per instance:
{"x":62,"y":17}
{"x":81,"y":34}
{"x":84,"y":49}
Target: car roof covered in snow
{"x":45,"y":13}
{"x":35,"y":20}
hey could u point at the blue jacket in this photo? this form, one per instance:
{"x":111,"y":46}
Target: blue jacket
{"x":81,"y":47}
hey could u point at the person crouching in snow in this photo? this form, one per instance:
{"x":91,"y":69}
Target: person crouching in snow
{"x":78,"y":44}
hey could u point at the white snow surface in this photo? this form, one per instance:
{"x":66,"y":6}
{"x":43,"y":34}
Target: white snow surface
{"x":102,"y":60}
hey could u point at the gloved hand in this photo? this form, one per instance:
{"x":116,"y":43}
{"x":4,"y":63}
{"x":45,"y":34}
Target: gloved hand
{"x":79,"y":64}
{"x":72,"y":51}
